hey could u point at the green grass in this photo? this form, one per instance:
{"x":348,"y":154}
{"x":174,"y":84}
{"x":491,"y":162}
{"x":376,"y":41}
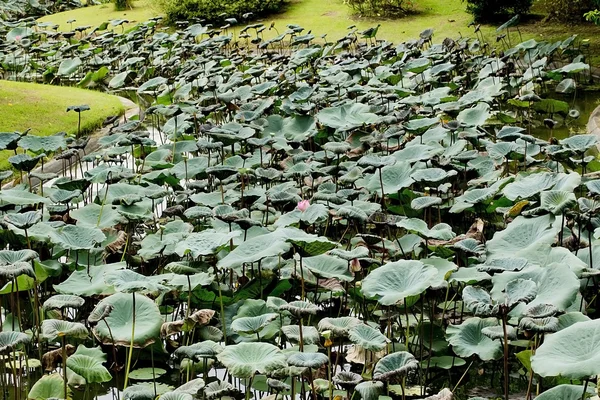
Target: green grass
{"x":43,"y":109}
{"x":96,"y":15}
{"x":448,"y":18}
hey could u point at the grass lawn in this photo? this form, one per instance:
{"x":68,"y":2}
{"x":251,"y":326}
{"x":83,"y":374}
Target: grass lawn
{"x":96,"y":15}
{"x":448,"y":18}
{"x":43,"y":109}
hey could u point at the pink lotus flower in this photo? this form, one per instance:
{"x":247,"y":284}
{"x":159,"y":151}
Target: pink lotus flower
{"x":18,"y":38}
{"x":355,"y":265}
{"x":303,"y":205}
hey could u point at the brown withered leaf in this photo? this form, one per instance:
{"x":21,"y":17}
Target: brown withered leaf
{"x":51,"y":359}
{"x":117,"y":244}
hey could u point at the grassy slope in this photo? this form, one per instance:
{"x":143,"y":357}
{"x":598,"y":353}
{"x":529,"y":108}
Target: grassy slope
{"x":96,"y":15}
{"x":43,"y":109}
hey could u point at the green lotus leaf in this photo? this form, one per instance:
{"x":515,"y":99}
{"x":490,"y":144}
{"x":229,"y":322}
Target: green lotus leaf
{"x":367,"y":337}
{"x":308,"y":360}
{"x":23,"y":220}
{"x":564,"y":392}
{"x":10,"y":339}
{"x":540,"y":311}
{"x":90,"y":368}
{"x":15,"y":256}
{"x":252,"y":324}
{"x":572,"y":352}
{"x":68,"y":66}
{"x":23,"y":162}
{"x":145,"y":391}
{"x":520,"y":291}
{"x":348,"y":116}
{"x":467,"y":339}
{"x":192,"y":387}
{"x":255,"y":249}
{"x":475,"y":116}
{"x":210,"y":333}
{"x":77,"y":237}
{"x":245,"y":359}
{"x":556,"y":284}
{"x":128,"y":281}
{"x":204,"y":243}
{"x":547,"y":324}
{"x":12,"y":271}
{"x":370,"y":390}
{"x":89,"y":282}
{"x":439,"y":231}
{"x":570,"y":318}
{"x":524,"y":237}
{"x":49,"y":387}
{"x":310,"y":334}
{"x":526,"y":186}
{"x":421,"y":203}
{"x":580,"y":143}
{"x":176,"y":396}
{"x":347,"y":379}
{"x":557,"y":201}
{"x":199,"y":351}
{"x":219,"y":389}
{"x":357,"y":252}
{"x":61,"y":301}
{"x":147,"y":321}
{"x":393,"y":282}
{"x":21,"y":197}
{"x":444,"y":269}
{"x":479,"y":302}
{"x":393,"y":365}
{"x":325,"y":266}
{"x":395,"y":178}
{"x":339,"y":326}
{"x":52,"y":329}
{"x":146,"y":374}
{"x":38,"y":144}
{"x":497,"y":332}
{"x":95,"y":216}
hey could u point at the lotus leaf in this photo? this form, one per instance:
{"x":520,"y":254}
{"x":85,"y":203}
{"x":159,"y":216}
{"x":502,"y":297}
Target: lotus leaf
{"x":245,"y":359}
{"x":467,"y":339}
{"x":393,"y":282}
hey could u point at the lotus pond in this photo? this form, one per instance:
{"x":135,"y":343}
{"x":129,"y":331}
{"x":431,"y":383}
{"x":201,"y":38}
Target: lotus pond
{"x":296,"y":217}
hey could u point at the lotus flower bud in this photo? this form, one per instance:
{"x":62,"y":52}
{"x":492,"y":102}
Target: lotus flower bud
{"x":303,"y":205}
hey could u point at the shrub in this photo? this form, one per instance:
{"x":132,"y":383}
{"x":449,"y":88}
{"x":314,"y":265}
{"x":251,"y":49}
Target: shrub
{"x":381,"y":8}
{"x":495,"y":10}
{"x":568,"y":10}
{"x":215,"y":11}
{"x":122,"y":5}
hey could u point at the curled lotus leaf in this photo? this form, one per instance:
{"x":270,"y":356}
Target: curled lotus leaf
{"x":546,"y":324}
{"x":11,"y":339}
{"x":478,"y":301}
{"x":520,"y":291}
{"x":310,"y":334}
{"x":52,"y":329}
{"x":367,"y":337}
{"x":308,"y":360}
{"x":89,"y":368}
{"x":74,"y":237}
{"x":253,"y":324}
{"x":370,"y":390}
{"x":23,"y":220}
{"x":497,"y":332}
{"x":61,"y":301}
{"x":347,"y":379}
{"x":245,"y":359}
{"x":199,"y":351}
{"x":128,"y":281}
{"x":339,"y":326}
{"x":176,"y":396}
{"x":12,"y":271}
{"x":393,"y":365}
{"x":300,"y":307}
{"x":218,"y":389}
{"x":14,"y":256}
{"x":540,"y":311}
{"x":192,"y":387}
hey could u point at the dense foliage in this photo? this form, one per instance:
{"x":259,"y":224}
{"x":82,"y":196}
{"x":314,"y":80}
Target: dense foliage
{"x":569,"y":10}
{"x":342,"y":219}
{"x":217,"y":11}
{"x":493,"y":10}
{"x":381,"y":8}
{"x":11,"y":10}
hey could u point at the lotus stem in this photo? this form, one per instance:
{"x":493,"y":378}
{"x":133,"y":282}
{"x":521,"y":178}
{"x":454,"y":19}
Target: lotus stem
{"x":505,"y":344}
{"x":301,"y":342}
{"x":64,"y":364}
{"x":131,"y":345}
